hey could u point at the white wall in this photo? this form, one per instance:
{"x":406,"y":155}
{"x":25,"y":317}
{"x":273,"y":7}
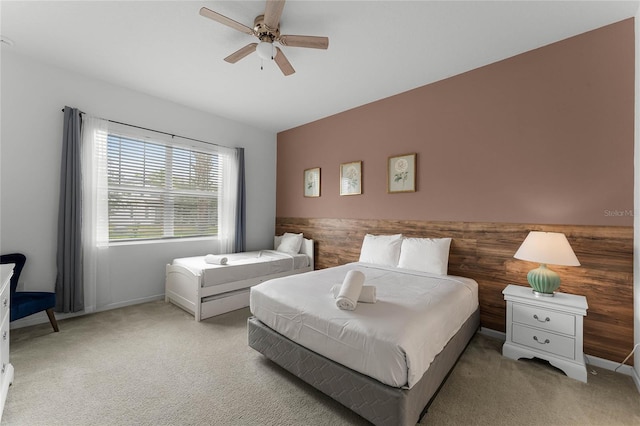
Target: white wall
{"x":33,"y":95}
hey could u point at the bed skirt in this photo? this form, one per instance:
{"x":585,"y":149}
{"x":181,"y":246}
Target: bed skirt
{"x":379,"y":403}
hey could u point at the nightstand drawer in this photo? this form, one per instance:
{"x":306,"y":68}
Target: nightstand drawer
{"x":543,"y":341}
{"x":545,"y":319}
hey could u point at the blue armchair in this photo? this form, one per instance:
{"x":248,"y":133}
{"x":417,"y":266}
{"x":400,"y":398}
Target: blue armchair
{"x":25,"y":303}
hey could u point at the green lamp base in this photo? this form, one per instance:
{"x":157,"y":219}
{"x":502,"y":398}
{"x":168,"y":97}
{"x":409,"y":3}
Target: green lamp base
{"x":543,"y":281}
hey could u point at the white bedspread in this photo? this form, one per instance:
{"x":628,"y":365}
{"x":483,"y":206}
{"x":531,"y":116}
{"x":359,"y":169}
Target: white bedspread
{"x":242,"y":266}
{"x":394,"y":340}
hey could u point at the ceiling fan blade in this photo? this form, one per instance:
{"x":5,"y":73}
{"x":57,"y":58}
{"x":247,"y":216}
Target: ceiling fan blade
{"x":208,"y":13}
{"x":241,"y":53}
{"x":272,"y":13}
{"x":304,"y":41}
{"x":283,"y":63}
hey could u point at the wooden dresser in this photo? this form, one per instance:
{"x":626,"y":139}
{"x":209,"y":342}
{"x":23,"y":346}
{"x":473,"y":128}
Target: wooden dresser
{"x":6,"y":372}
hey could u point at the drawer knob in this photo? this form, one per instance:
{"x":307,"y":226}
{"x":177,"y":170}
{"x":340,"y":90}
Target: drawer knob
{"x":547,"y":319}
{"x":4,"y":335}
{"x":5,"y":302}
{"x":542,"y":343}
{"x":3,"y":368}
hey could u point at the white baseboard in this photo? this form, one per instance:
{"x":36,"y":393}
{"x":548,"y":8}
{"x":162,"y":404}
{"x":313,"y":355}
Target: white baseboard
{"x":42,"y":318}
{"x":636,"y":378}
{"x":131,"y":302}
{"x":609,"y":365}
{"x":590,"y":359}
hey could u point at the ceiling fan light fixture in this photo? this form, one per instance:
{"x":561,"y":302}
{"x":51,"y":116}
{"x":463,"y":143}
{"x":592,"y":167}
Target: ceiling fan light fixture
{"x":266,"y":50}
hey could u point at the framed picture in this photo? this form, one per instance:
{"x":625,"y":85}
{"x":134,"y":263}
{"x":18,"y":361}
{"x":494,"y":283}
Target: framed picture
{"x":312,"y":182}
{"x":401,"y":173}
{"x":351,"y":178}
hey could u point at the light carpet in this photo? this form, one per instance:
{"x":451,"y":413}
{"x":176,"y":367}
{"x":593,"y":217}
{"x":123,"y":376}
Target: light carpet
{"x":152,"y":364}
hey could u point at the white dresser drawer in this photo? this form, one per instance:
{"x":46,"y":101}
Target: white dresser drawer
{"x":545,"y":319}
{"x":4,"y":351}
{"x":4,"y":301}
{"x":544,"y":341}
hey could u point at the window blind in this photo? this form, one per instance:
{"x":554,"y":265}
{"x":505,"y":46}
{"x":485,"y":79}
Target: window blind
{"x":157,"y":190}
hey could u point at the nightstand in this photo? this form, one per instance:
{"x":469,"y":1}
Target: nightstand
{"x":549,"y":328}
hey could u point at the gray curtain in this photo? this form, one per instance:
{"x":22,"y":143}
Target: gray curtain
{"x":69,"y":286}
{"x":241,"y":208}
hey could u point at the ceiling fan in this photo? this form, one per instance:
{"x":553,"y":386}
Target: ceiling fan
{"x":267,"y":29}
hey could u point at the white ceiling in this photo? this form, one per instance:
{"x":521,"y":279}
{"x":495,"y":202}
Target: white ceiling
{"x":376,"y":48}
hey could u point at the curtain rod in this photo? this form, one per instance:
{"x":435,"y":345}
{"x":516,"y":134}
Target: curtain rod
{"x":157,"y":131}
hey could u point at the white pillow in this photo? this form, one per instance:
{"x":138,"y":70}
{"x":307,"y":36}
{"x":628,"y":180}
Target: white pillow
{"x":290,"y":243}
{"x":381,"y":249}
{"x":425,"y":254}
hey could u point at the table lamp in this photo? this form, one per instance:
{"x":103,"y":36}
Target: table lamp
{"x":546,"y":248}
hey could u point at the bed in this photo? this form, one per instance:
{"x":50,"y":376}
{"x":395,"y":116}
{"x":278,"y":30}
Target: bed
{"x":205,"y":289}
{"x":384,"y":360}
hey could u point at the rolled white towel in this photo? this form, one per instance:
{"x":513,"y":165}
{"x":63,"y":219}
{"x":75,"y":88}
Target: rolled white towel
{"x":367,"y":295}
{"x":215,"y":259}
{"x":350,"y":290}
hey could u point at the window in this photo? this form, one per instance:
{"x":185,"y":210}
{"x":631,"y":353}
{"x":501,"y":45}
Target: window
{"x":158,"y":190}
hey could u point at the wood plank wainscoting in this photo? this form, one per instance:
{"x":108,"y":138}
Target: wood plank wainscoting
{"x":484,"y":252}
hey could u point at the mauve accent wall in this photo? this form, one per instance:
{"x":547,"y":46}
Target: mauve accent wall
{"x":543,"y":137}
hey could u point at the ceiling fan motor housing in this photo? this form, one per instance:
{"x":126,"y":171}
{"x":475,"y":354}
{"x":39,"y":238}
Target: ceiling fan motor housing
{"x":263,"y":32}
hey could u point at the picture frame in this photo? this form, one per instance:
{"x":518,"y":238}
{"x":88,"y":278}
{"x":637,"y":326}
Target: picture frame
{"x":401,"y":173}
{"x":311,"y":184}
{"x":351,"y":178}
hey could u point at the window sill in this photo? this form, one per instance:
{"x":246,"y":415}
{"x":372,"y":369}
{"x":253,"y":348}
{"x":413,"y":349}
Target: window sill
{"x":162,"y":241}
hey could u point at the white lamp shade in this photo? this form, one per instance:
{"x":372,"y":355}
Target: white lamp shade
{"x":550,"y":248}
